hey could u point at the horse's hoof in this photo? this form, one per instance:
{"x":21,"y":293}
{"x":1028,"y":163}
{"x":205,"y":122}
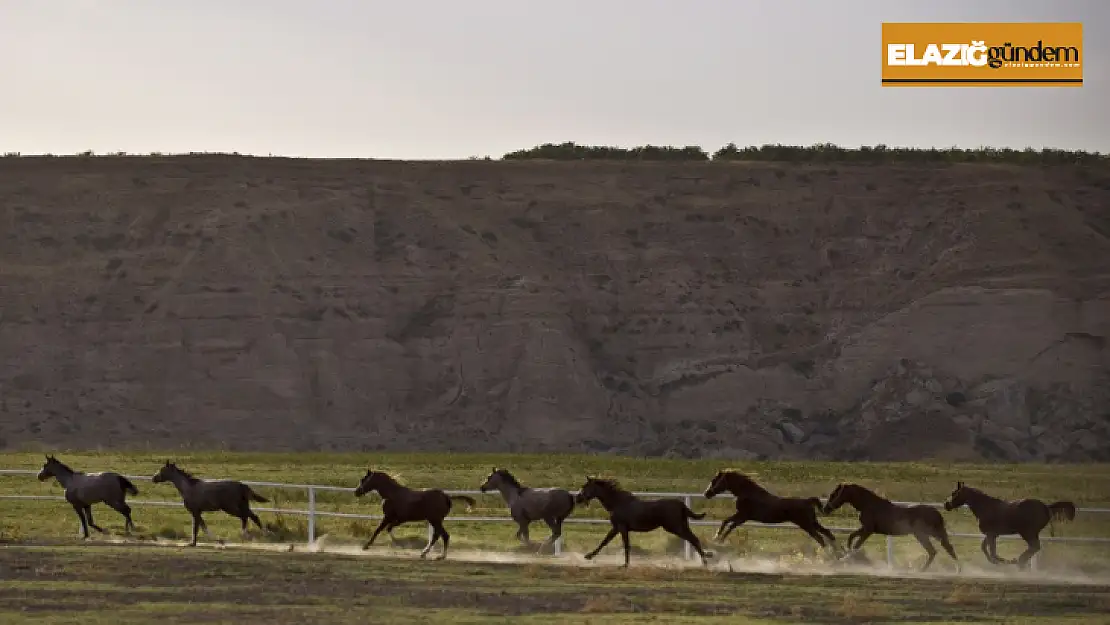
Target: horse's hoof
{"x":441,"y":557}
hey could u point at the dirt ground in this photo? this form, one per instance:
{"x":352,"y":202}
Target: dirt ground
{"x":741,"y":310}
{"x":105,"y":584}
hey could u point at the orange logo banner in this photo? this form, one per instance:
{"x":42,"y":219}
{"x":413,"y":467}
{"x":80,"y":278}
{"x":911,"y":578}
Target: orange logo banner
{"x":970,"y":54}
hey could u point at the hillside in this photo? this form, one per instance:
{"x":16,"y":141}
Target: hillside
{"x":840,"y":311}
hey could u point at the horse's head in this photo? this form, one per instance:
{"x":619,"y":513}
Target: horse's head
{"x":48,"y":467}
{"x":591,"y":489}
{"x":369,"y":482}
{"x":837,"y":498}
{"x":958,"y":497}
{"x":493,"y":480}
{"x":165,"y":473}
{"x":717,"y":486}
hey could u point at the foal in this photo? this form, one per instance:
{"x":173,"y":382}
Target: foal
{"x":401,"y":504}
{"x":200,"y":496}
{"x":755,"y":503}
{"x":82,"y":490}
{"x":551,"y":505}
{"x":878,"y":515}
{"x":997,"y":517}
{"x":629,"y":513}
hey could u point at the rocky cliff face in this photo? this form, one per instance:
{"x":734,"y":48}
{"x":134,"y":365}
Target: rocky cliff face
{"x":731,"y":310}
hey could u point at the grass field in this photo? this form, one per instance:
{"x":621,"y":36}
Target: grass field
{"x":108,"y":584}
{"x":1087,"y":485}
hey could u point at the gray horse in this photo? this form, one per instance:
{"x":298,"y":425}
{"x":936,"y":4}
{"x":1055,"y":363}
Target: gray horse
{"x":82,"y":490}
{"x":526,"y":505}
{"x":201,"y":496}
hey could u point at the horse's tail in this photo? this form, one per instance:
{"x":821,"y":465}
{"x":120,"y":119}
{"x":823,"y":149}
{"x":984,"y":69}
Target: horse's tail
{"x":1059,"y":511}
{"x":253,"y":496}
{"x":690,"y":514}
{"x":128,"y":486}
{"x":1062,"y":511}
{"x":470,"y":503}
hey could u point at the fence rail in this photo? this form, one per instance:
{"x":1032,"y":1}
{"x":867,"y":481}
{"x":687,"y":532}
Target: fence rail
{"x":313,"y":513}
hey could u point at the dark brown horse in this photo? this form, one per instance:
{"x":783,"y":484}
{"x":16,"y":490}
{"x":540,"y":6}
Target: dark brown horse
{"x":82,"y":490}
{"x":755,"y":503}
{"x":878,"y":515}
{"x":200,"y":496}
{"x":629,"y":513}
{"x":526,"y":505}
{"x":401,"y":504}
{"x":997,"y":517}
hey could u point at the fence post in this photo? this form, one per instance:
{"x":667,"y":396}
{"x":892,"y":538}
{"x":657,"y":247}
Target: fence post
{"x":686,"y":548}
{"x":311,"y":515}
{"x":557,"y":548}
{"x":889,"y":552}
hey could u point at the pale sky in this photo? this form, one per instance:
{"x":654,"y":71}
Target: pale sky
{"x":426,"y":79}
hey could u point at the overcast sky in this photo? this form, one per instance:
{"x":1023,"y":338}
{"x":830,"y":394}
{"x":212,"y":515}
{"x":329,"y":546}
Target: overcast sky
{"x":451,"y":79}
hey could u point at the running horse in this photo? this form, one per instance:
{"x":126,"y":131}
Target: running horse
{"x":629,"y":513}
{"x":755,"y":503}
{"x":878,"y":515}
{"x":527,"y":505}
{"x":1026,"y":518}
{"x":200,"y":496}
{"x":401,"y":504}
{"x":82,"y":490}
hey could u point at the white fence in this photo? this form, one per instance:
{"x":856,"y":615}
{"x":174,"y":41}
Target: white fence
{"x":313,"y":513}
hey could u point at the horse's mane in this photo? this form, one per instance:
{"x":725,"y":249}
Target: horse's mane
{"x":508,"y":477}
{"x":188,"y":476}
{"x":610,"y":483}
{"x":53,"y":460}
{"x":745,"y":478}
{"x":387,"y":476}
{"x":979,"y":492}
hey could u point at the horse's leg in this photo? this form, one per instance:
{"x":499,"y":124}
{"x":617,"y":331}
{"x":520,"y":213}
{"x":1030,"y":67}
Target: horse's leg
{"x":811,"y":529}
{"x":728,"y":525}
{"x":604,"y":541}
{"x":929,"y":549}
{"x":80,"y":510}
{"x":197,"y":523}
{"x":861,"y":536}
{"x":124,"y":509}
{"x":556,"y":527}
{"x":993,"y":545}
{"x":445,"y":536}
{"x":254,"y":517}
{"x":88,"y":515}
{"x":853,"y":536}
{"x":627,"y":545}
{"x":373,"y":536}
{"x":1034,"y":542}
{"x":824,"y":531}
{"x":685,"y":533}
{"x":944,"y":542}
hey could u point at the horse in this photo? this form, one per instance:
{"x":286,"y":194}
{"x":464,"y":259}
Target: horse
{"x":997,"y":517}
{"x":401,"y":504}
{"x":552,"y":505}
{"x":755,"y":503}
{"x":878,"y":515}
{"x":200,"y":496}
{"x":82,"y":490}
{"x":629,"y":513}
